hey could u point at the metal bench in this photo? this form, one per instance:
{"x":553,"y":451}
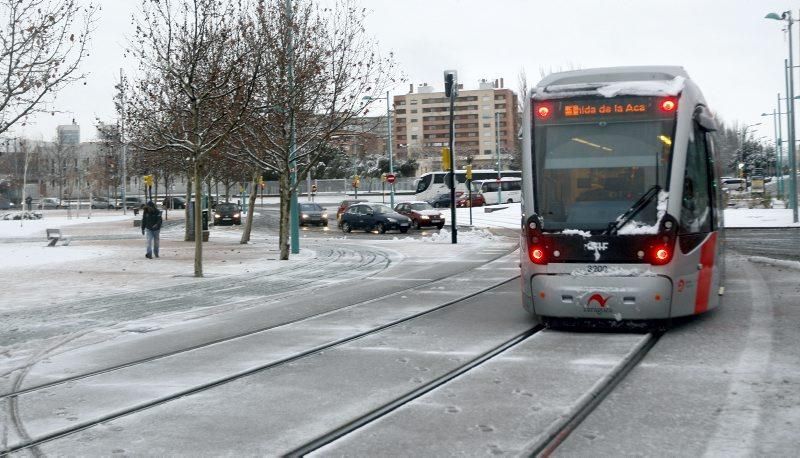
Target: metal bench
{"x":53,"y":237}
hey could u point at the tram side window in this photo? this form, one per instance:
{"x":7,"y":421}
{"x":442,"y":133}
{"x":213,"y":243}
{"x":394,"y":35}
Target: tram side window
{"x":696,"y":203}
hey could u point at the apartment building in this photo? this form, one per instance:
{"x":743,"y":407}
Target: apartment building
{"x":485,"y":123}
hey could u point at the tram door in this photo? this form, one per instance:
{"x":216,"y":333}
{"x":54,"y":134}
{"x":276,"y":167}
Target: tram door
{"x":698,"y":272}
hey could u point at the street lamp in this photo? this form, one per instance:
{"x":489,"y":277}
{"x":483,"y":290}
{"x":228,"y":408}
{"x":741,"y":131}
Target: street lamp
{"x":787,"y":16}
{"x":388,"y":140}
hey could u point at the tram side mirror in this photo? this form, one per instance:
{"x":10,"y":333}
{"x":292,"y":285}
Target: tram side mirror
{"x":705,"y":119}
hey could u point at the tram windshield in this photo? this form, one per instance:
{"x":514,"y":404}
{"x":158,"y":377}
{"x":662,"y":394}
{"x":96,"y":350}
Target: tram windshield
{"x":592,"y":165}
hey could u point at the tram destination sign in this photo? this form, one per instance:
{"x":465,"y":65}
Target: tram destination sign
{"x":593,"y":109}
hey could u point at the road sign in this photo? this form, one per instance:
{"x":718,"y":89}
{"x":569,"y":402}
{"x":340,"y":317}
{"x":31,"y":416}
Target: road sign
{"x":390,"y":178}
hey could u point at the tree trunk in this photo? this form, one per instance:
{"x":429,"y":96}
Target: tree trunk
{"x":186,"y":207}
{"x":248,"y":225}
{"x":283,"y":237}
{"x":198,"y":223}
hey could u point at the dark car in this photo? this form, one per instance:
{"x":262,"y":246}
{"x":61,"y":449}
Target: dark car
{"x":443,"y":200}
{"x":6,"y":204}
{"x":369,"y":217}
{"x":313,"y":214}
{"x":227,"y":213}
{"x":344,"y":206}
{"x":421,"y":214}
{"x":173,"y":202}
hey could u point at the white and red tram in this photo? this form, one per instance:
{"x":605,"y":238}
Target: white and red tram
{"x":622,"y":216}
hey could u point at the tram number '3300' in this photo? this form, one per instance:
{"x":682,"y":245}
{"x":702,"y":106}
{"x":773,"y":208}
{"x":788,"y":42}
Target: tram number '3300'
{"x":597,"y":269}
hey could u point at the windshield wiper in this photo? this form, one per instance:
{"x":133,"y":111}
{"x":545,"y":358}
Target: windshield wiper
{"x":639,"y":205}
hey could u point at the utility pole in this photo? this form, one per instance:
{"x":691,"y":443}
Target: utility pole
{"x":451,"y":91}
{"x":497,"y":151}
{"x":294,"y":223}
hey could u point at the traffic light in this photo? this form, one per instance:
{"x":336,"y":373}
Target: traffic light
{"x":313,"y":188}
{"x":148,"y":180}
{"x":445,"y":158}
{"x":356,"y":181}
{"x":469,"y":172}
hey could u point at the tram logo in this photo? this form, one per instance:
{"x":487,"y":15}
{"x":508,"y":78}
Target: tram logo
{"x":596,"y":246}
{"x":601,"y":301}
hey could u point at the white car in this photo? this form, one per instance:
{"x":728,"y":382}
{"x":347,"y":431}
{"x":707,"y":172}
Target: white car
{"x":50,"y":202}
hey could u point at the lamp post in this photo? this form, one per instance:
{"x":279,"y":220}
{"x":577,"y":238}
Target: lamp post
{"x":294,"y":214}
{"x":787,"y":16}
{"x":388,"y":140}
{"x":497,"y":152}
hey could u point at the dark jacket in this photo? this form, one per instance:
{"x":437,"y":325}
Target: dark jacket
{"x":151,"y":218}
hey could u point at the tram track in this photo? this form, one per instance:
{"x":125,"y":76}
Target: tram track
{"x":420,"y":391}
{"x":31,"y":442}
{"x":560,"y":430}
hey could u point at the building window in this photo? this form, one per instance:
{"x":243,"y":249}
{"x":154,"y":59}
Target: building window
{"x":414,"y":119}
{"x":487,"y":151}
{"x":413,"y":137}
{"x":414,"y":110}
{"x":486,"y":125}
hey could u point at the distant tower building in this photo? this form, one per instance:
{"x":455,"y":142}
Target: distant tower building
{"x":69,"y":134}
{"x":485,"y":124}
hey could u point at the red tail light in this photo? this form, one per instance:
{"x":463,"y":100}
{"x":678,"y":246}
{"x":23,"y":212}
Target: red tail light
{"x":537,"y":255}
{"x":543,"y":110}
{"x":668,"y":105}
{"x":661,"y":255}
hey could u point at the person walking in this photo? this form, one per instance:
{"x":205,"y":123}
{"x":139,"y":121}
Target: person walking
{"x":151,"y":226}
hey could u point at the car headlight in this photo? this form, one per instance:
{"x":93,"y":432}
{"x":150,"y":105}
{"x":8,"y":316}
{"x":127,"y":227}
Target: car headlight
{"x":325,"y":215}
{"x":424,"y":217}
{"x":304,"y":216}
{"x":217,"y":215}
{"x":391,"y":220}
{"x":236,"y":215}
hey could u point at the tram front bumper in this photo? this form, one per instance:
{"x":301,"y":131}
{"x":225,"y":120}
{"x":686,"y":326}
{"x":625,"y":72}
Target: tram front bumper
{"x":602,"y":297}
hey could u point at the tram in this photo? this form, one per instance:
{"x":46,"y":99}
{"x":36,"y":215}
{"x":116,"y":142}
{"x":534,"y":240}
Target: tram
{"x":622,"y":214}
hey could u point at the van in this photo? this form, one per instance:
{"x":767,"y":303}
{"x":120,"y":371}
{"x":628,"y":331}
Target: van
{"x":510,"y":190}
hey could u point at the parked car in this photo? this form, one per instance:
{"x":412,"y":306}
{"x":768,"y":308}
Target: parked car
{"x":344,"y":206}
{"x":442,"y":200}
{"x":370,"y":217}
{"x":6,"y":204}
{"x":227,"y":213}
{"x":101,"y":202}
{"x":50,"y":203}
{"x":421,"y":214}
{"x":174,"y":202}
{"x":733,"y":184}
{"x":132,"y":202}
{"x":311,"y":213}
{"x":464,"y":200}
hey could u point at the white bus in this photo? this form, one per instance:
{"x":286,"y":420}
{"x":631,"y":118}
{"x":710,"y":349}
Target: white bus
{"x":431,"y":184}
{"x":506,"y":190}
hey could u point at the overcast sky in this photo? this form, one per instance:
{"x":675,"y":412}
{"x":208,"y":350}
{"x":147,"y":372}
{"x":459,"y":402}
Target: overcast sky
{"x":734,"y":55}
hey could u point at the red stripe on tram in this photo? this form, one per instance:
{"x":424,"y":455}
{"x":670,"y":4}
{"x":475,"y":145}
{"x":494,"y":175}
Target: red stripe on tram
{"x":707,"y":252}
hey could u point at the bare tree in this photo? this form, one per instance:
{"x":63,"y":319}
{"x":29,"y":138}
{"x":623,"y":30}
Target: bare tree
{"x":42,"y":44}
{"x":336,"y":66}
{"x":197,"y":69}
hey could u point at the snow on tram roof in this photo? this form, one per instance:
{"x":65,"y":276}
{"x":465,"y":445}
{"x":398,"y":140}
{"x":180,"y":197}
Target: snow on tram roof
{"x":613,"y":81}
